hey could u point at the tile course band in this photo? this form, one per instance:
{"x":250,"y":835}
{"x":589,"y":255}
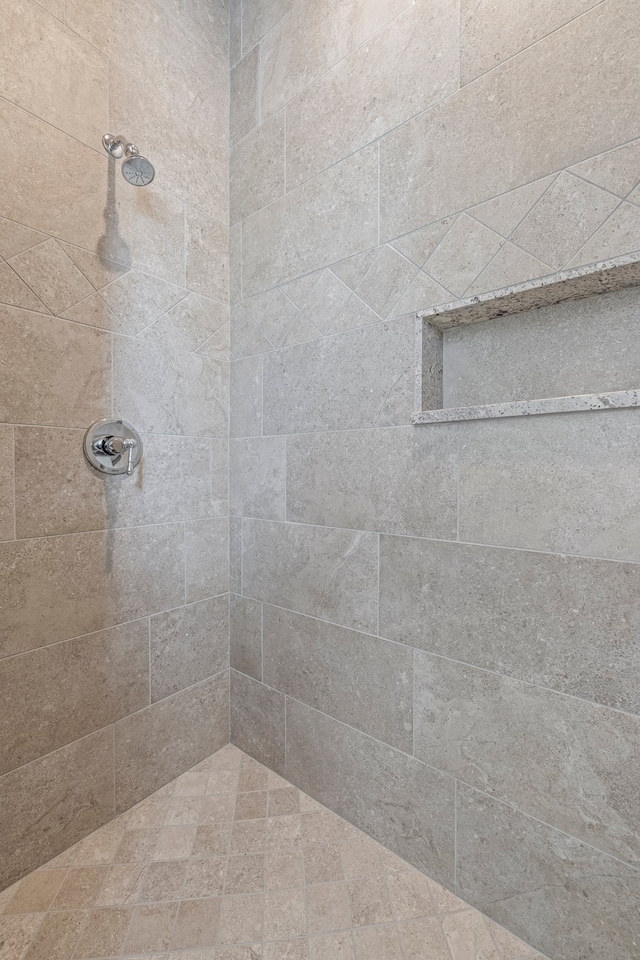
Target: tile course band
{"x":606,"y":276}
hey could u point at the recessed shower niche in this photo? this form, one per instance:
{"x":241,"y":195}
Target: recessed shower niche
{"x":567,"y":343}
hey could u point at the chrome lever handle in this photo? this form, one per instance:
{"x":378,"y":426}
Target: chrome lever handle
{"x":106,"y":444}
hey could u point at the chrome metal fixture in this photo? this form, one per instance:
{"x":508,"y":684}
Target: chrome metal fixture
{"x":113,"y":447}
{"x":136,"y":170}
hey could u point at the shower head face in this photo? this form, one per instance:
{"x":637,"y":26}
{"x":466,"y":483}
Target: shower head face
{"x":138,"y":171}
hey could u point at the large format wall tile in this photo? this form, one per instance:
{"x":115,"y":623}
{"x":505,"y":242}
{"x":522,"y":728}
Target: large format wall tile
{"x":245,"y":400}
{"x":206,"y":255}
{"x":364,"y":682}
{"x":258,"y":477}
{"x":172,"y":482}
{"x":259,"y":17}
{"x":363,"y":378}
{"x":560,"y":622}
{"x":564,"y":483}
{"x":256,"y":169}
{"x":7,"y":484}
{"x":245,"y":638}
{"x":258,"y":721}
{"x":429,"y":166}
{"x":170,"y":391}
{"x":328,"y":218}
{"x":206,"y":544}
{"x":567,"y":762}
{"x":311,"y":38}
{"x":165,"y":739}
{"x":320,"y":571}
{"x":244,"y":107}
{"x":557,"y":893}
{"x":408,"y":65}
{"x":491,"y":31}
{"x":54,"y":801}
{"x":71,"y":90}
{"x":60,"y":693}
{"x":188,"y":645}
{"x":345,"y":479}
{"x":42,"y":357}
{"x":55,"y":588}
{"x":380,"y":790}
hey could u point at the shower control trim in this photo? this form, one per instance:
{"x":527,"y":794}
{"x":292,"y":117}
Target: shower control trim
{"x":113,"y":447}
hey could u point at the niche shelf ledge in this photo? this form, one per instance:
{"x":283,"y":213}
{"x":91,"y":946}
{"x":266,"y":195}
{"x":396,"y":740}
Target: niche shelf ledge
{"x":606,"y":276}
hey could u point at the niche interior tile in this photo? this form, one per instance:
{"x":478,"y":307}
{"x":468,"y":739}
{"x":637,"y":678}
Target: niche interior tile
{"x":52,"y":275}
{"x":563,"y":220}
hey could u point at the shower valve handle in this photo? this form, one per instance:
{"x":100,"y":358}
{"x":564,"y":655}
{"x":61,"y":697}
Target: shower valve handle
{"x":116,"y":447}
{"x":113,"y":447}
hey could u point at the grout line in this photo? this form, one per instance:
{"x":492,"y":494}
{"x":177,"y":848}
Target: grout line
{"x":455,"y":836}
{"x":15,"y":496}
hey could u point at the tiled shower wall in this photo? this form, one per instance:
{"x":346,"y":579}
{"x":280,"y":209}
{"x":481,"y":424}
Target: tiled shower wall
{"x":113,"y":300}
{"x":434,"y":630}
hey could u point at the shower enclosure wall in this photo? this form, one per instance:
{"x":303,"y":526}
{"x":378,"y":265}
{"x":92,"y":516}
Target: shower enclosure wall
{"x":432,"y":629}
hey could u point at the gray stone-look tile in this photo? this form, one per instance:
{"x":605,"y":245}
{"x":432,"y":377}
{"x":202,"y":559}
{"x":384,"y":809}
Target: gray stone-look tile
{"x":188,"y":645}
{"x":362,"y":378}
{"x":256,"y":169}
{"x":362,"y":681}
{"x":567,"y":762}
{"x":245,"y":400}
{"x":59,"y":693}
{"x":54,"y":588}
{"x":206,"y":255}
{"x":54,"y":801}
{"x":399,"y":801}
{"x":244,"y":106}
{"x":428,"y":166}
{"x":560,"y":622}
{"x":165,"y":739}
{"x":569,"y":349}
{"x":246,"y":635}
{"x":565,"y":483}
{"x":170,"y":391}
{"x":402,"y":70}
{"x":258,"y":721}
{"x":7,"y":507}
{"x":258,"y":477}
{"x":398,"y":480}
{"x":50,"y":352}
{"x":63,"y":494}
{"x":311,"y":38}
{"x":320,"y":571}
{"x":489,"y":33}
{"x":331,"y":217}
{"x":259,"y":17}
{"x":560,"y":895}
{"x":206,"y":544}
{"x":235,"y":554}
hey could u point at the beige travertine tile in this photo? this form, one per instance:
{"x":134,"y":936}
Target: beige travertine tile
{"x":94,"y":312}
{"x":328,"y":907}
{"x":56,"y":587}
{"x":151,"y":927}
{"x":285,"y":915}
{"x":490,"y":33}
{"x":241,"y":918}
{"x":136,"y":300}
{"x":424,"y":940}
{"x":284,"y":869}
{"x":197,"y":923}
{"x":245,"y":400}
{"x":428,"y":167}
{"x":332,"y":946}
{"x":104,"y":932}
{"x":193,"y":783}
{"x":36,"y":892}
{"x":54,"y":801}
{"x":91,"y":682}
{"x":285,"y":832}
{"x":311,"y":38}
{"x":71,"y":90}
{"x":309,"y":228}
{"x":509,"y":947}
{"x":369,"y":901}
{"x":402,"y":70}
{"x":410,"y":895}
{"x":217,"y":807}
{"x":57,"y":936}
{"x":377,"y":943}
{"x":204,"y":878}
{"x":468,"y":936}
{"x":49,"y":352}
{"x":186,"y":724}
{"x":256,"y":168}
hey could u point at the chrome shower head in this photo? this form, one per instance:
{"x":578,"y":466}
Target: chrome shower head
{"x":136,"y":170}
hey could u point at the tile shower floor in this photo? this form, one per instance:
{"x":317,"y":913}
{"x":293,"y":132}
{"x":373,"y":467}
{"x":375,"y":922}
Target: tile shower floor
{"x":230,"y":862}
